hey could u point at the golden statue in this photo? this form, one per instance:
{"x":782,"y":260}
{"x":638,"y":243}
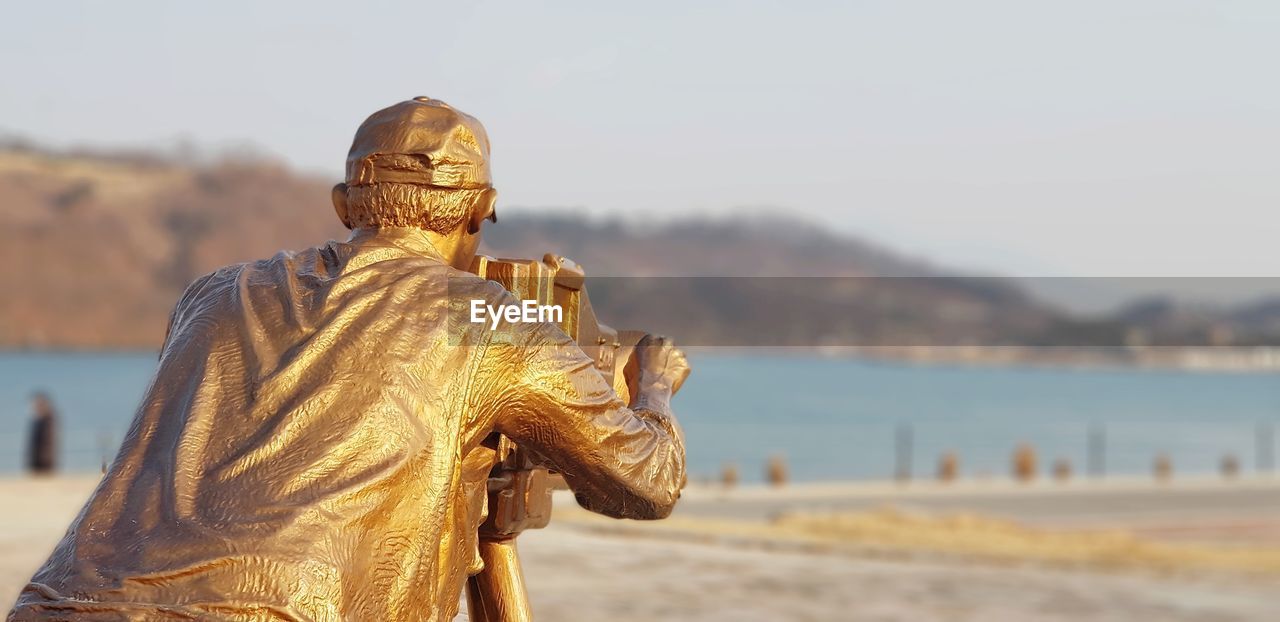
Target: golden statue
{"x":326,"y":433}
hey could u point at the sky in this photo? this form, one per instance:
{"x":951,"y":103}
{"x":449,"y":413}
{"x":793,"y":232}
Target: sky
{"x":1086,"y":138}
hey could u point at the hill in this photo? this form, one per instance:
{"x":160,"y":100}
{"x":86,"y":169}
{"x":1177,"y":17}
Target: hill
{"x":99,"y":246}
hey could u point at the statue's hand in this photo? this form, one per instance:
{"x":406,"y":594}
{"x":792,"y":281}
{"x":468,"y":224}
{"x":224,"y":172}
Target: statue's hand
{"x":659,"y":356}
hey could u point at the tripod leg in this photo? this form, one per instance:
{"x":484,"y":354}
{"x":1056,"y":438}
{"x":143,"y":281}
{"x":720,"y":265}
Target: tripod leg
{"x":497,"y":594}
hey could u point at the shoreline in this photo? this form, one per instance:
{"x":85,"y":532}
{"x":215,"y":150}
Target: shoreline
{"x":1201,"y":360}
{"x":923,"y":486}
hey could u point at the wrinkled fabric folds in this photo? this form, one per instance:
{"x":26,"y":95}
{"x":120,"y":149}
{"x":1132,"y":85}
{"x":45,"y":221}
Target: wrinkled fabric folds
{"x":310,"y":447}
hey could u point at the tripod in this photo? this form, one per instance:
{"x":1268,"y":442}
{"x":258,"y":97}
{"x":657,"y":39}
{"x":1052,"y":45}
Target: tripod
{"x":519,"y":499}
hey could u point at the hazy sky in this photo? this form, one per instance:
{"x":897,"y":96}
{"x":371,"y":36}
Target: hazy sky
{"x":1025,"y":137}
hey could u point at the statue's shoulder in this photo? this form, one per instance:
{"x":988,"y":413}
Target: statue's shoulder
{"x":467,"y":284}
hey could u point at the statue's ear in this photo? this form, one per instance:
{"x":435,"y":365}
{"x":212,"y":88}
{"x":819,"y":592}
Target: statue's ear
{"x":484,"y":209}
{"x":339,"y":196}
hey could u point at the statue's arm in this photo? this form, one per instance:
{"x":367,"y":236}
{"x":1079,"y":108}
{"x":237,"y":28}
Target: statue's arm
{"x":619,"y":462}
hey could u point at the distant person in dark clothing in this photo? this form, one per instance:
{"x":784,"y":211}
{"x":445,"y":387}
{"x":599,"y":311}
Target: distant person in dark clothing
{"x":42,"y":450}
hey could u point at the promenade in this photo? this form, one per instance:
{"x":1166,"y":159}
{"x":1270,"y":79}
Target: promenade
{"x":1201,"y":507}
{"x":726,"y":555}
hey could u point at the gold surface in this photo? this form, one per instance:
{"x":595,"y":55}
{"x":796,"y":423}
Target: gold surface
{"x":421,"y":141}
{"x":521,"y":482}
{"x":313,"y":444}
{"x":499,"y":592}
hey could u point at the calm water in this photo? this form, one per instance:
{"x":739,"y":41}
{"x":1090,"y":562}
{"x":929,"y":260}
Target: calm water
{"x":832,"y":419}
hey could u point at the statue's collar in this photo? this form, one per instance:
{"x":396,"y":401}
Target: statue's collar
{"x":410,"y":239}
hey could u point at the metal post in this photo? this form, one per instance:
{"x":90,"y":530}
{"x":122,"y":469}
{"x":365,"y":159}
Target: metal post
{"x":1265,"y":438}
{"x":104,"y":449}
{"x":1097,"y":450}
{"x":902,"y":447}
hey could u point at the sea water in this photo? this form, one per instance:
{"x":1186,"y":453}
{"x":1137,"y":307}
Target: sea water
{"x":830,"y":419}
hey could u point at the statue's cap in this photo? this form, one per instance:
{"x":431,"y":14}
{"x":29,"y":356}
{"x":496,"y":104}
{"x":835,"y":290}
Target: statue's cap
{"x":420,"y":141}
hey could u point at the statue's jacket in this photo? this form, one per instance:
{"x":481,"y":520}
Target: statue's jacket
{"x":311,"y":445}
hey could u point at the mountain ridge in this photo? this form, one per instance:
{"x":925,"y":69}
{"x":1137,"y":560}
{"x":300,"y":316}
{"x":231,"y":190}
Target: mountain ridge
{"x":105,"y":243}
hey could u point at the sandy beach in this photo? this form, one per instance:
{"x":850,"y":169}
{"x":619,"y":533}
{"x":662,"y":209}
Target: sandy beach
{"x":720,"y":559}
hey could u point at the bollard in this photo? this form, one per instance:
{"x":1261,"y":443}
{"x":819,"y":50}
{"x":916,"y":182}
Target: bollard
{"x":1024,"y":463}
{"x":729,"y":475}
{"x":776,"y":471}
{"x":1163,"y":468}
{"x":1230,"y":466}
{"x":948,"y":467}
{"x":1062,"y":470}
